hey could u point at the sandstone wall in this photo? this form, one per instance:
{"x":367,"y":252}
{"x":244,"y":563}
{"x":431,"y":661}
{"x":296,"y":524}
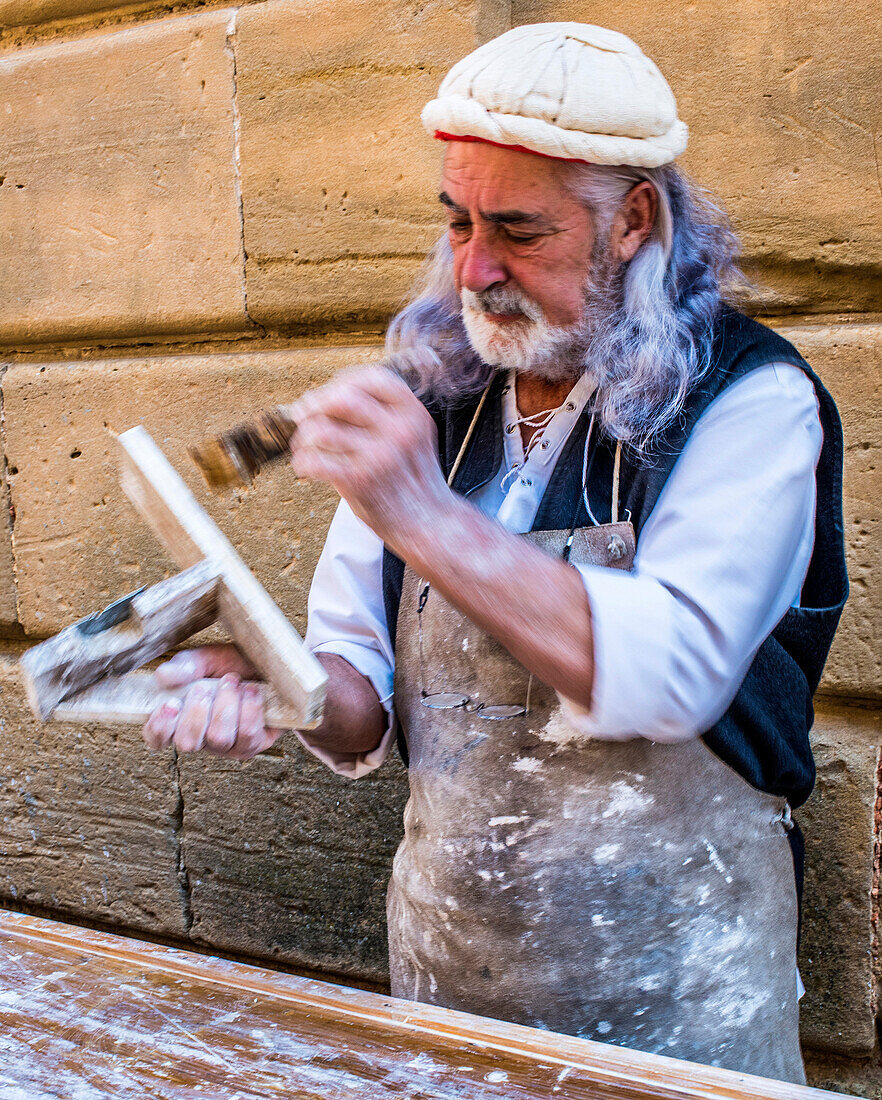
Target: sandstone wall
{"x":205,"y":209}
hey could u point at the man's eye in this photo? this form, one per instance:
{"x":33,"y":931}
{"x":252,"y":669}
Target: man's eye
{"x":523,"y":238}
{"x":459,"y":227}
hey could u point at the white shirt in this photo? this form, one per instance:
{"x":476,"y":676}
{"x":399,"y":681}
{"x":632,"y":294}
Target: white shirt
{"x":720,"y":559}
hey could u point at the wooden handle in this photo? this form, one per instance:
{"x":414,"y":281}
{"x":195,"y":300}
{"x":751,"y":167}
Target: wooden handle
{"x":130,"y":700}
{"x":253,"y":620}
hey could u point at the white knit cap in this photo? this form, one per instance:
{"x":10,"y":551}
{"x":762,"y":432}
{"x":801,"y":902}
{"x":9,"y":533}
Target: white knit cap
{"x":568,"y":90}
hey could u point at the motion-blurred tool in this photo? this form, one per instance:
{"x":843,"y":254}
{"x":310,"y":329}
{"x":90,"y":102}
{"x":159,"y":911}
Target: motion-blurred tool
{"x":85,"y":673}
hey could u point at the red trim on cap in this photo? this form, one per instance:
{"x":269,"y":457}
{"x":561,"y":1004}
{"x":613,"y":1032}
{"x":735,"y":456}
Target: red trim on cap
{"x":441,"y":136}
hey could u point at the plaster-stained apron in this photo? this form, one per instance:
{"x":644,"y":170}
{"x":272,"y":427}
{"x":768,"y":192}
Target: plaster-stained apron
{"x":625,"y":891}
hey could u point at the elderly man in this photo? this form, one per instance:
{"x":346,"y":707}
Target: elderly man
{"x":600,"y":552}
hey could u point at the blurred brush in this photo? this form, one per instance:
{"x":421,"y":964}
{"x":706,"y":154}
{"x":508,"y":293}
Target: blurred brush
{"x":233,"y":459}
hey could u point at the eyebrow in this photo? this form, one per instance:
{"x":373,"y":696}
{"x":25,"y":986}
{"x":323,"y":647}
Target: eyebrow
{"x":502,"y":217}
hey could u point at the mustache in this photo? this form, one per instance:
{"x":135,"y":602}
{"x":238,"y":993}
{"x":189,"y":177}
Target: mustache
{"x":502,"y":300}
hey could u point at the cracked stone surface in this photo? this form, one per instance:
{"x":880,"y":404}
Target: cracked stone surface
{"x":838,"y":822}
{"x":88,"y":818}
{"x":17,"y":13}
{"x":287,"y":860}
{"x":181,"y":871}
{"x":8,"y":602}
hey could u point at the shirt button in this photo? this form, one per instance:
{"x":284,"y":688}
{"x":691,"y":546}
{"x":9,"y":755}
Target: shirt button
{"x":570,"y":407}
{"x":544,"y":445}
{"x":509,"y":428}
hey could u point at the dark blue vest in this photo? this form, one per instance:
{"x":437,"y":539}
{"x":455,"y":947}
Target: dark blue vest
{"x":764,"y":733}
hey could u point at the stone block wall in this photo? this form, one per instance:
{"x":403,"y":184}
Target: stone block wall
{"x":205,"y":209}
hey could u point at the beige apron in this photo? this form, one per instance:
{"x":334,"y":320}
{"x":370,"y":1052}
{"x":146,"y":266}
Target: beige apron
{"x":630,"y":892}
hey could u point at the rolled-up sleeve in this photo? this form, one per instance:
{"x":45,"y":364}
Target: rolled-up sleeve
{"x":719,"y":561}
{"x":347,"y":617}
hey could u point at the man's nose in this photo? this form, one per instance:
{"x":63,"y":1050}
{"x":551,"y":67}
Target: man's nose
{"x":481,"y":266}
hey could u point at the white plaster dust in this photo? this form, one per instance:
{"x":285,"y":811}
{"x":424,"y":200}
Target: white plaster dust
{"x":528,"y":764}
{"x":716,"y":861}
{"x":625,"y":800}
{"x":606,"y":853}
{"x":558,"y":731}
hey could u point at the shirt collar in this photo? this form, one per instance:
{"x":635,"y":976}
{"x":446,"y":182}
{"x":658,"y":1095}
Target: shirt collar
{"x":557,"y":431}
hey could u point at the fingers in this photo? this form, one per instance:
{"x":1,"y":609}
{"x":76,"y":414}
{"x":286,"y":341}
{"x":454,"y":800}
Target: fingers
{"x":323,"y":433}
{"x":343,"y":400}
{"x":160,"y":726}
{"x":357,"y":397}
{"x":205,"y":662}
{"x":381,"y":383}
{"x":224,"y":717}
{"x":269,"y":738}
{"x":253,"y":736}
{"x":223,"y":724}
{"x":317,"y":465}
{"x":192,"y":723}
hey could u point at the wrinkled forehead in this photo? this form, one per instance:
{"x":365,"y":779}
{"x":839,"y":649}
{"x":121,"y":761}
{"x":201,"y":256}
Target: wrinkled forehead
{"x":478,"y":175}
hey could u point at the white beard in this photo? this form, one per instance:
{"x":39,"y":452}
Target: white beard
{"x":531,"y":344}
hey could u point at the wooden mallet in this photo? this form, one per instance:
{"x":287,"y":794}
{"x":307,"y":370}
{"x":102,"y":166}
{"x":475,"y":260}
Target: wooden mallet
{"x":84,"y":673}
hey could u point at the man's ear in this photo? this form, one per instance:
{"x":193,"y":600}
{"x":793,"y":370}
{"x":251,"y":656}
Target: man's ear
{"x":635,"y":220}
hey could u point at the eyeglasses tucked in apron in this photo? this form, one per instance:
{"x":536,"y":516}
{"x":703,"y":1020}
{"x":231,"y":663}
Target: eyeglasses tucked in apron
{"x":627,"y":891}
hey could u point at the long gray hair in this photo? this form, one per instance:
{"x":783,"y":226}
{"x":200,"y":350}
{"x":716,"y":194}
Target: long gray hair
{"x":649,"y":323}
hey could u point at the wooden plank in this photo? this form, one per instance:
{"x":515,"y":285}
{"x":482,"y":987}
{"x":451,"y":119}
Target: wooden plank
{"x":131,"y":699}
{"x":249,"y":614}
{"x":159,"y":618}
{"x":90,"y":1014}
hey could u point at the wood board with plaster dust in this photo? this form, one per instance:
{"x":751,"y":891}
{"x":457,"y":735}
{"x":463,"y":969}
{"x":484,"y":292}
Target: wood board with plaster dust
{"x":86,"y":1014}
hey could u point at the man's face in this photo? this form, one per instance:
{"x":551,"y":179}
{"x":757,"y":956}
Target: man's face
{"x":522,"y":249}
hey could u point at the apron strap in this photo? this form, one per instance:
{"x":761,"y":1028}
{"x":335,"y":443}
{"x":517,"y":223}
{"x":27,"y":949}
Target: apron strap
{"x":615,"y":484}
{"x":468,"y":437}
{"x":617,"y":463}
